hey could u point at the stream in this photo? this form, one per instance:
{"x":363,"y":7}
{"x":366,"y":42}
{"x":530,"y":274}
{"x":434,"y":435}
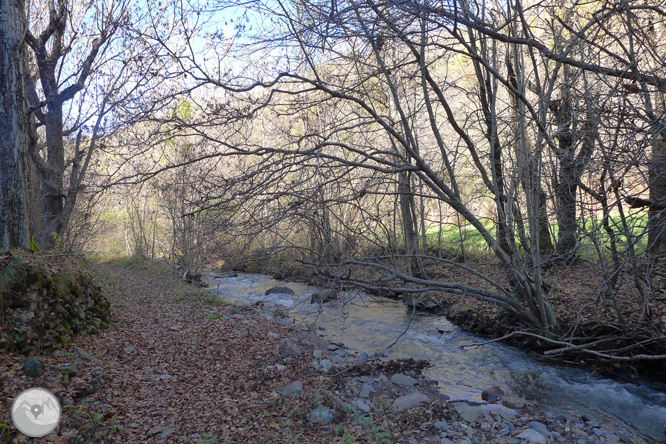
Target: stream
{"x":367,"y":324}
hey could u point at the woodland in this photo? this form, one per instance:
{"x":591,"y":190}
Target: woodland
{"x":502,"y":161}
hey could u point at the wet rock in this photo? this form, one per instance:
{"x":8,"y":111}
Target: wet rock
{"x":409,"y":401}
{"x":33,"y":367}
{"x":321,"y":415}
{"x":541,"y":428}
{"x":69,"y":370}
{"x":323,"y":296}
{"x":280,"y":290}
{"x":289,"y":348}
{"x":532,"y":436}
{"x":468,"y":412}
{"x":492,"y":394}
{"x":403,"y":380}
{"x":295,"y":389}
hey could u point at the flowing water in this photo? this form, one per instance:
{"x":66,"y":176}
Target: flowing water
{"x":369,"y":325}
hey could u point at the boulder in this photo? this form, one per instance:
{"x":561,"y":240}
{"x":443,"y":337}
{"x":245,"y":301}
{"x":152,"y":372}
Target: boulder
{"x":280,"y":290}
{"x":323,"y":296}
{"x":492,"y":394}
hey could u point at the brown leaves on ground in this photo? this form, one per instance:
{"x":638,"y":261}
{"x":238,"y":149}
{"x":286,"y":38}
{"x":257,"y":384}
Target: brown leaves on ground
{"x":173,"y":370}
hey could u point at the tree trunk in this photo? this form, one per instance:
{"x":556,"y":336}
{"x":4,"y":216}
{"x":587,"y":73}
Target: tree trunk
{"x":656,"y":217}
{"x":13,"y":125}
{"x":52,"y":180}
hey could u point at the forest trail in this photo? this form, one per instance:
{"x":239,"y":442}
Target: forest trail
{"x":175,"y":367}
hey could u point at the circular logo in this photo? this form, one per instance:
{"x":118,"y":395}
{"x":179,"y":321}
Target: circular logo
{"x":36,"y":412}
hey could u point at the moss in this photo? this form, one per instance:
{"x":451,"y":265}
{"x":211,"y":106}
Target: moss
{"x":61,"y":293}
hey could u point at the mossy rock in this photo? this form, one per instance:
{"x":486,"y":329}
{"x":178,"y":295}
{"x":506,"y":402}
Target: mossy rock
{"x":47,"y":302}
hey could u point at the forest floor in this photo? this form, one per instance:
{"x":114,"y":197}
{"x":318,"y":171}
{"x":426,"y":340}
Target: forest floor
{"x":179,"y":366}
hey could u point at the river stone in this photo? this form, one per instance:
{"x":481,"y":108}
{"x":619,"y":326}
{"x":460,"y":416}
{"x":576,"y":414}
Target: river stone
{"x":410,"y":400}
{"x":468,"y":412}
{"x":500,"y":410}
{"x":280,"y":290}
{"x":289,"y":348}
{"x":541,"y":428}
{"x":295,"y":389}
{"x":532,"y":436}
{"x":69,"y":370}
{"x":403,"y":380}
{"x":321,"y":415}
{"x":492,"y":394}
{"x":322,"y":296}
{"x":33,"y":367}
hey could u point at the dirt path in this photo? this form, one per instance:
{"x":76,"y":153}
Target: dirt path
{"x":172,"y":364}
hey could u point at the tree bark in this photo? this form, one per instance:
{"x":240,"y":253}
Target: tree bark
{"x":656,"y":217}
{"x":13,"y":125}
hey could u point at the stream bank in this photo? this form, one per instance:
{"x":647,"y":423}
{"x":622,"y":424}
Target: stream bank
{"x":368,"y":324}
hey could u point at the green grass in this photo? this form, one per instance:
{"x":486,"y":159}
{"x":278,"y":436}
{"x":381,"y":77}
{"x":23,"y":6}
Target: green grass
{"x":474,"y":243}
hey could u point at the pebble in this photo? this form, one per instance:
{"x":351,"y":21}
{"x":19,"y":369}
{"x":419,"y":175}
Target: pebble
{"x":273,"y":335}
{"x":441,"y":425}
{"x":130,"y":349}
{"x":239,"y":316}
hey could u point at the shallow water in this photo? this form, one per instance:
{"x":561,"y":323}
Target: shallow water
{"x":370,"y":324}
